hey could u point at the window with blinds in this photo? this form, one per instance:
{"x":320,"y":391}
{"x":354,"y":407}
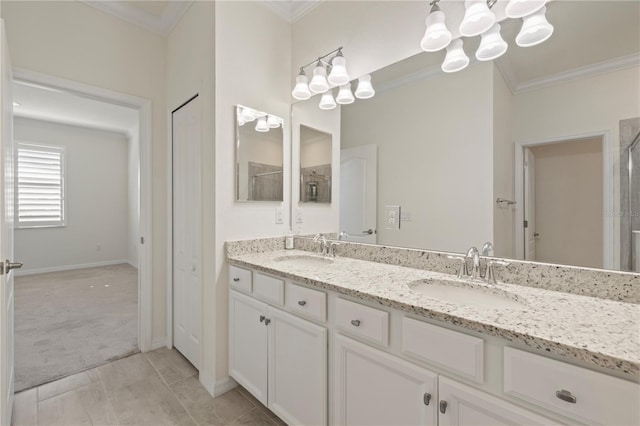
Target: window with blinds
{"x":39,"y":186}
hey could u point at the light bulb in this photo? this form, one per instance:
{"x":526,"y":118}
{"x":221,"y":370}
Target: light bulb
{"x":365,"y":89}
{"x":327,"y":101}
{"x":478,"y":18}
{"x":492,"y":45}
{"x":437,"y":36}
{"x":301,"y":91}
{"x":535,"y":29}
{"x":456,"y":60}
{"x":522,"y":8}
{"x":261,"y":125}
{"x":319,"y":82}
{"x":273,"y":122}
{"x":345,"y":96}
{"x":338,"y":74}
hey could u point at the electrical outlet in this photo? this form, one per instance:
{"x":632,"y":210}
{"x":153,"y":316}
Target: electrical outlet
{"x":279,"y":215}
{"x":299,"y":217}
{"x":392,"y":217}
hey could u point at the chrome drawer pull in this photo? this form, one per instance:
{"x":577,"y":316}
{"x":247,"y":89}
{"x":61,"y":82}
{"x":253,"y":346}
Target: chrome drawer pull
{"x":236,"y":279}
{"x":302,"y":302}
{"x":427,"y":398}
{"x":262,"y":317}
{"x":565,"y":395}
{"x":267,"y":321}
{"x":443,"y":407}
{"x":355,"y":323}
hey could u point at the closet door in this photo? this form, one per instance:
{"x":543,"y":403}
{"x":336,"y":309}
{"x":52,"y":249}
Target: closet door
{"x":187,"y":230}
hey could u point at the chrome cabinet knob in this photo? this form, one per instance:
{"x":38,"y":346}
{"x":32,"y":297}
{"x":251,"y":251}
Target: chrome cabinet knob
{"x":426,"y":398}
{"x":302,"y":302}
{"x":262,"y":318}
{"x":567,"y":396}
{"x":355,"y":323}
{"x":236,"y":279}
{"x":267,"y":321}
{"x":443,"y":406}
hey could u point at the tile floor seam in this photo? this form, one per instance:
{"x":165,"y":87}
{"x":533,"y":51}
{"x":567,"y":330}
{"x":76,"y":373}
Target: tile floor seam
{"x":180,"y":402}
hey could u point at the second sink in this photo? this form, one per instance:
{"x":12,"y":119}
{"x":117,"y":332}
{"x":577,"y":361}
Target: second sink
{"x":304,"y":260}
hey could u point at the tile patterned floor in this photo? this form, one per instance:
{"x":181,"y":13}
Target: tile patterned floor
{"x":156,"y":388}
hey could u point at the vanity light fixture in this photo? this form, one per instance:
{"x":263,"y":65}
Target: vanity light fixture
{"x":326,"y":101}
{"x":261,"y":125}
{"x":365,"y":89}
{"x":273,"y":122}
{"x":301,"y":91}
{"x":338,"y":74}
{"x":345,"y":96}
{"x":480,"y":20}
{"x":319,"y":83}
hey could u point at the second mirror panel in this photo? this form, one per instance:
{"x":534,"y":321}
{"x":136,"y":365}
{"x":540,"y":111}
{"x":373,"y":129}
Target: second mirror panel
{"x":315,"y":165}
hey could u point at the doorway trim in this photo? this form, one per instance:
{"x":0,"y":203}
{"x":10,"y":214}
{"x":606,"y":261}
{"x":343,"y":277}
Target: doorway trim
{"x":145,"y":260}
{"x":607,"y":189}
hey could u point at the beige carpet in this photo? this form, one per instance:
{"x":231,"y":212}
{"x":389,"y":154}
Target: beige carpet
{"x":70,"y":321}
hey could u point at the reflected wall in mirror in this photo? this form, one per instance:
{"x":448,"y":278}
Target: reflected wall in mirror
{"x":315,"y":165}
{"x":450,"y":145}
{"x":259,"y":155}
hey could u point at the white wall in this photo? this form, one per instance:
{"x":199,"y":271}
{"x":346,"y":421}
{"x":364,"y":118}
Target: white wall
{"x":133,"y":195}
{"x":96,"y":202}
{"x":435,"y":157}
{"x":77,"y":42}
{"x":316,"y":217}
{"x":190,"y":70}
{"x":253,"y":51}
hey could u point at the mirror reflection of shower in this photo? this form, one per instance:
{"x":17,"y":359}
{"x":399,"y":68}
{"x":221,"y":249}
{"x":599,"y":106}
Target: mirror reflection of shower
{"x":633,"y":203}
{"x":315,"y":165}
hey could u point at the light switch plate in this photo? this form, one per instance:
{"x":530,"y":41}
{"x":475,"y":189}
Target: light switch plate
{"x":279,"y":215}
{"x":392,"y":217}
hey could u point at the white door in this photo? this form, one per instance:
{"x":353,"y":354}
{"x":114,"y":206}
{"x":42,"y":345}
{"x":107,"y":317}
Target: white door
{"x":358,"y":193}
{"x":461,"y":405}
{"x":529,"y":205}
{"x":376,"y":388}
{"x":187,"y":231}
{"x":6,"y":233}
{"x":248,"y":344}
{"x":297,"y":369}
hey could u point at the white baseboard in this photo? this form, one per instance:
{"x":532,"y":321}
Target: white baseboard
{"x":158,"y":343}
{"x":68,"y":267}
{"x":224,"y":385}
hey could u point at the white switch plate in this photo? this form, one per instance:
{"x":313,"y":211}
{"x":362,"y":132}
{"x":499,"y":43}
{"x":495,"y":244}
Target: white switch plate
{"x":392,"y":217}
{"x":299,"y":216}
{"x":279,"y":215}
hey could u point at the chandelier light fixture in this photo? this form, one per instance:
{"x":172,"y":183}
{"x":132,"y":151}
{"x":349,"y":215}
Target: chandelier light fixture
{"x":480,"y":20}
{"x":330,"y":71}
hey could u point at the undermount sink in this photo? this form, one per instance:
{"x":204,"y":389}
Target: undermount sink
{"x":470,"y":294}
{"x":304,"y":260}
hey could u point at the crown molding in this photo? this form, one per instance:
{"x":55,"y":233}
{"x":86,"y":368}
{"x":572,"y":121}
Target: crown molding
{"x":291,"y":10}
{"x":160,"y":25}
{"x":592,"y":70}
{"x":506,"y":70}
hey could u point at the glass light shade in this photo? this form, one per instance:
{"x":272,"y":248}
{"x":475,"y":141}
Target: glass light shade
{"x":345,"y":96}
{"x":338,"y":74}
{"x":492,"y":45}
{"x":478,"y":18}
{"x":241,"y":121}
{"x":365,"y":89}
{"x":327,"y":101}
{"x":522,"y":8}
{"x":535,"y":29}
{"x":437,"y":35}
{"x":319,"y":82}
{"x":247,"y":114}
{"x":301,"y":91}
{"x":456,"y":60}
{"x":261,"y":125}
{"x":273,"y":122}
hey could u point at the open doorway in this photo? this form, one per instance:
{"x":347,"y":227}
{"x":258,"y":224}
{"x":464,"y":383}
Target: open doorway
{"x":81,"y":295}
{"x":563,"y":198}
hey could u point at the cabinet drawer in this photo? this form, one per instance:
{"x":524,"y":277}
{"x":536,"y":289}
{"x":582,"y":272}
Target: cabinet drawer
{"x":268,"y":288}
{"x":306,"y":301}
{"x":457,"y":352}
{"x":370,"y":323}
{"x":240,"y":278}
{"x":576,"y":392}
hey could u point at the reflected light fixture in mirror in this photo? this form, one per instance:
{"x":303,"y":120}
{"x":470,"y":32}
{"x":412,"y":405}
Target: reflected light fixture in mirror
{"x":456,"y":59}
{"x":437,"y":36}
{"x":345,"y":96}
{"x":365,"y":89}
{"x":492,"y":45}
{"x":261,"y":125}
{"x":326,"y":101}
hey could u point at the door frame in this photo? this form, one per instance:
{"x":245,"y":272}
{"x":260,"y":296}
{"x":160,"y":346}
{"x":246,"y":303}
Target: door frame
{"x":145,"y":259}
{"x":607,"y":189}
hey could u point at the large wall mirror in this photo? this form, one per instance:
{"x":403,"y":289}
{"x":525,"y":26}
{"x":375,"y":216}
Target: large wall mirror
{"x":259,"y":155}
{"x":315,"y":165}
{"x":533,"y":137}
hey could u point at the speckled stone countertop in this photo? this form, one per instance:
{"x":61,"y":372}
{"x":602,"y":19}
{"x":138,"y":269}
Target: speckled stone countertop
{"x":597,"y":331}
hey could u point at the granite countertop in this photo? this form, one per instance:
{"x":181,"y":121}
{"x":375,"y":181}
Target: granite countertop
{"x":597,"y":331}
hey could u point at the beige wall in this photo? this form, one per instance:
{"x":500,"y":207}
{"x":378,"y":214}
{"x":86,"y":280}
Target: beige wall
{"x":316,"y":152}
{"x":253,"y":57}
{"x":74,"y":41}
{"x":435,"y":157}
{"x":568,"y":210}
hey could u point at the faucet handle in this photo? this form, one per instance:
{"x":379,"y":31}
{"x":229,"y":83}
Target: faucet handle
{"x":463,"y":263}
{"x":491,"y":273}
{"x":332,"y":248}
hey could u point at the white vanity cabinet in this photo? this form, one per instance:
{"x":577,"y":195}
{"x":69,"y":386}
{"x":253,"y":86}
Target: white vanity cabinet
{"x":280,"y":358}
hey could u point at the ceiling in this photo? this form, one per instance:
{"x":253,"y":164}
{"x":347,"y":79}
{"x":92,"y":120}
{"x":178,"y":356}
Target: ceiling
{"x":47,"y":104}
{"x":291,"y":10}
{"x":589,"y":37}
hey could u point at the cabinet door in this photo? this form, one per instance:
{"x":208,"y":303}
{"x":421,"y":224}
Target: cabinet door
{"x":297,"y":369}
{"x":462,"y":405}
{"x":248,"y":344}
{"x":376,"y":388}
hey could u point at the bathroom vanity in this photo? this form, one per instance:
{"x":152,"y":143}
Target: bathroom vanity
{"x":344,"y":341}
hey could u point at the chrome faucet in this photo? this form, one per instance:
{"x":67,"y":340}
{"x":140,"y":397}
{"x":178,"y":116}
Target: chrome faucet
{"x":474,"y":255}
{"x":324,"y":247}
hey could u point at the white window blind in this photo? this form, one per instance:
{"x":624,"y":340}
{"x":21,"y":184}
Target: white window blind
{"x":39,"y":186}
